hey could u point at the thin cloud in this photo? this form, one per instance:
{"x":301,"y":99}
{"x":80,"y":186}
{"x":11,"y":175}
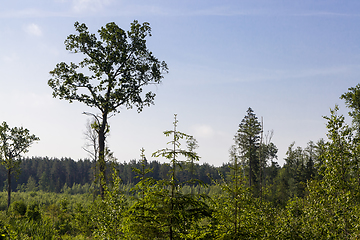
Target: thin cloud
{"x":33,"y":29}
{"x":20,"y":13}
{"x":89,"y":5}
{"x":225,"y":11}
{"x":310,"y":72}
{"x":206,"y":131}
{"x":201,"y":75}
{"x":9,"y":58}
{"x":228,"y":11}
{"x":28,"y":101}
{"x":325,"y":14}
{"x":251,"y":75}
{"x":32,"y":12}
{"x":179,"y":10}
{"x":126,"y":8}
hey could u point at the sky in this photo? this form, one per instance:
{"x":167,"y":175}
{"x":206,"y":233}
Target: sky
{"x":289,"y":61}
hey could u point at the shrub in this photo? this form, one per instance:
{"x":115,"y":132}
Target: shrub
{"x":19,"y":207}
{"x":33,"y":212}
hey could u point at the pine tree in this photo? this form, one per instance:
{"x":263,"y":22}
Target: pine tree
{"x":247,"y":140}
{"x":163,"y":211}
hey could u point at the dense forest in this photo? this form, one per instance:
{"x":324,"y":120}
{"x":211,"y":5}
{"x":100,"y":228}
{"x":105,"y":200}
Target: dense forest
{"x":51,"y":174}
{"x":56,"y":175}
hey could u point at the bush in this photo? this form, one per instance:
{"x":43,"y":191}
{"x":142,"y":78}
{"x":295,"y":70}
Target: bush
{"x":19,"y":207}
{"x":33,"y":212}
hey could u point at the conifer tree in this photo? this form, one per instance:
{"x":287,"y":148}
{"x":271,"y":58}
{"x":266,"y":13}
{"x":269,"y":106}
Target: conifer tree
{"x":167,"y":213}
{"x":247,"y":140}
{"x":238,"y":215}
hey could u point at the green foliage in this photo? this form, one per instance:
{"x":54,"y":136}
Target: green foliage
{"x":82,"y":219}
{"x":33,"y":212}
{"x":23,"y":229}
{"x":247,"y":140}
{"x":254,"y":151}
{"x":51,"y":174}
{"x":31,"y":185}
{"x":13,"y":143}
{"x":301,"y":165}
{"x":340,"y":153}
{"x":330,"y":208}
{"x":315,"y":195}
{"x":19,"y":207}
{"x":352,"y":101}
{"x":112,"y":60}
{"x":238,"y":215}
{"x":145,"y":182}
{"x":120,"y":65}
{"x":163,"y":210}
{"x":241,"y":216}
{"x":160,"y":215}
{"x":330,"y":215}
{"x":107,"y":214}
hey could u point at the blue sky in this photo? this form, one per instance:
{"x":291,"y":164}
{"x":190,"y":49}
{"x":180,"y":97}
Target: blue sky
{"x":287,"y":60}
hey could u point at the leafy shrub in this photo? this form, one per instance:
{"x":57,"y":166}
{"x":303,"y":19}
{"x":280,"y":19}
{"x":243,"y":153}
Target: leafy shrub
{"x":33,"y":212}
{"x":19,"y":207}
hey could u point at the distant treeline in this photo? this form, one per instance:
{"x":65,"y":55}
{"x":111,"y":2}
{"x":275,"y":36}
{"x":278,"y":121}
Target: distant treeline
{"x":51,"y":174}
{"x":58,"y":175}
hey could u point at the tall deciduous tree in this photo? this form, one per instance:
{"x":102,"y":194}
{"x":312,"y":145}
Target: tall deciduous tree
{"x":13,"y":143}
{"x":332,"y":203}
{"x":340,"y":153}
{"x":113,"y":73}
{"x":352,"y":101}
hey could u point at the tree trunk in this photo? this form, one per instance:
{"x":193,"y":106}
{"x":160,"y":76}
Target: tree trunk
{"x":102,"y":163}
{"x":236,"y":196}
{"x":250,"y":164}
{"x":173,"y":184}
{"x":9,"y":188}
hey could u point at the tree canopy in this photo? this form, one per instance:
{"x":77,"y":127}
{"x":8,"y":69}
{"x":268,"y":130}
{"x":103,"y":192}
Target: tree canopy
{"x":116,"y":67}
{"x":13,"y":143}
